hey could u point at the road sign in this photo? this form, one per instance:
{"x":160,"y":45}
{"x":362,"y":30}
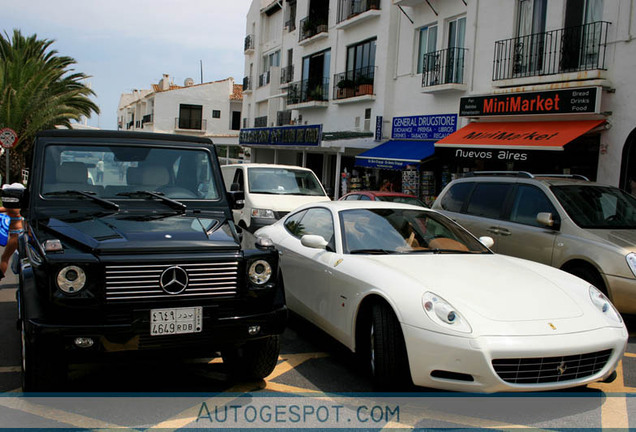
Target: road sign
{"x":8,"y":138}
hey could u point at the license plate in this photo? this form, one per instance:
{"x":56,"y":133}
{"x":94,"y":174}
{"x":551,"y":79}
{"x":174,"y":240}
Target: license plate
{"x":176,"y":321}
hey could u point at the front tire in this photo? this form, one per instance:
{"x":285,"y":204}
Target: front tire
{"x":253,"y":360}
{"x":386,"y":350}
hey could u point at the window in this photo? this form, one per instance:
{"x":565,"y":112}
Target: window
{"x":427,"y":44}
{"x":293,"y":225}
{"x":528,"y":202}
{"x":455,"y":60}
{"x":216,"y":113}
{"x":454,"y":200}
{"x":528,"y":50}
{"x":488,"y":200}
{"x":318,"y":221}
{"x":190,"y":116}
{"x":361,"y":60}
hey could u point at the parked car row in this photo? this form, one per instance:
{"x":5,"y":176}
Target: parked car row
{"x":150,"y":260}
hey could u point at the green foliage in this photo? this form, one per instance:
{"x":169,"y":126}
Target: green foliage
{"x":38,"y":89}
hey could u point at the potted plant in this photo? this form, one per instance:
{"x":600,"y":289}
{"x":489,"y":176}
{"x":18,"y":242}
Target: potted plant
{"x":365,"y":85}
{"x":315,"y":93}
{"x":346,"y":88}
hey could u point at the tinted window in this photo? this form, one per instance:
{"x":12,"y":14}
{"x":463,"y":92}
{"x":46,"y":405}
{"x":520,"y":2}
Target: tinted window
{"x":364,"y":198}
{"x":454,"y":199}
{"x":293,"y":225}
{"x":488,"y":200}
{"x":352,"y":197}
{"x":597,"y":206}
{"x":318,"y":221}
{"x":528,"y":202}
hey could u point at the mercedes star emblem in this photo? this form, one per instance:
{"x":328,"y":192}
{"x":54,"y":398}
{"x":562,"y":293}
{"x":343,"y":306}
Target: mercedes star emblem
{"x":174,"y":280}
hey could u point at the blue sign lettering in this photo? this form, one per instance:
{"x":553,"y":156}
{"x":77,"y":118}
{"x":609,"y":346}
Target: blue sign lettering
{"x":425,"y":127}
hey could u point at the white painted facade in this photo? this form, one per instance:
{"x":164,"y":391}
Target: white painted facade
{"x":398,"y":88}
{"x":161,"y":109}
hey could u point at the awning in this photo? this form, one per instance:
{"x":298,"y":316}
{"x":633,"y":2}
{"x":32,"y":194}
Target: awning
{"x":396,"y":154}
{"x":547,"y":135}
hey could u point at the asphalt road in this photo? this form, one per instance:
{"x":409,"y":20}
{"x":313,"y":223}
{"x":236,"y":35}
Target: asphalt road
{"x":317,"y":383}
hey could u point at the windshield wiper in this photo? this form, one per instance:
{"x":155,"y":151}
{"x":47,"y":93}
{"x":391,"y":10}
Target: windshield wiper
{"x":372,"y":251}
{"x":177,"y":205}
{"x":91,"y":195}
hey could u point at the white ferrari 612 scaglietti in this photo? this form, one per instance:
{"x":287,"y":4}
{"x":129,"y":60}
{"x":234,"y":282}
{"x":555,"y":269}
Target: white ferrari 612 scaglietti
{"x":424,"y":301}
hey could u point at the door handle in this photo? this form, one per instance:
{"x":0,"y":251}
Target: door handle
{"x":493,"y":230}
{"x":504,"y":232}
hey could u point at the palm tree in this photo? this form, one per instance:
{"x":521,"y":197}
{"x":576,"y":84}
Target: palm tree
{"x":38,"y":90}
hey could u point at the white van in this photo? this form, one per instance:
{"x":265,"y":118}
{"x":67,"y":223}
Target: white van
{"x":271,"y":191}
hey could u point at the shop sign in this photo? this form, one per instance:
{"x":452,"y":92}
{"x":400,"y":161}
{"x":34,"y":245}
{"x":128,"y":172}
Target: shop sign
{"x":502,"y":155}
{"x":566,"y":101}
{"x":424,"y":127}
{"x":306,"y":135}
{"x":378,"y":128}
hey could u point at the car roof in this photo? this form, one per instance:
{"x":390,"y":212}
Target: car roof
{"x":347,"y":205}
{"x":83,"y":133}
{"x":264,"y":165}
{"x":546,"y":179}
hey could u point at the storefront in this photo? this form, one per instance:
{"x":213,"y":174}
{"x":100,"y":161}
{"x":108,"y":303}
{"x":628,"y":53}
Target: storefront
{"x":560,"y":134}
{"x":408,"y":160}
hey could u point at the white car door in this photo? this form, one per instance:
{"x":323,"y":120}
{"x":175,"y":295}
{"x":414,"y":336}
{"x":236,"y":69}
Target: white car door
{"x":306,"y":270}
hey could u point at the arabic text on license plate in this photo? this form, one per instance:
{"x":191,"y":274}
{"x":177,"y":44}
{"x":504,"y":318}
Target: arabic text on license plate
{"x":176,"y":321}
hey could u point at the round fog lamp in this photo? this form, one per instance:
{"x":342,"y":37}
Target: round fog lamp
{"x":71,"y":279}
{"x":259,"y":272}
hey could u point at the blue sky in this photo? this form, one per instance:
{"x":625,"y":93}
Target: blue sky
{"x":129,"y":44}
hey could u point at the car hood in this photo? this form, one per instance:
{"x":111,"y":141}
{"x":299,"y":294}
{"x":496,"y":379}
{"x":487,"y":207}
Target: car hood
{"x":625,"y":238}
{"x":283,"y":202}
{"x":493,"y":286}
{"x":121,"y":233}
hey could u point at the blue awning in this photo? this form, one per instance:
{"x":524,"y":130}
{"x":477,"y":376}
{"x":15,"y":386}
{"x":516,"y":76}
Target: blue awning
{"x":396,"y":154}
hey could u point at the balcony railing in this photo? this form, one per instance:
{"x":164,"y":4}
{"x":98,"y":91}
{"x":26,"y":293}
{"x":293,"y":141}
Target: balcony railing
{"x":350,"y":8}
{"x":571,"y":49}
{"x":287,"y":74}
{"x":260,"y":121}
{"x":355,"y":82}
{"x":283,"y":118}
{"x":249,"y":42}
{"x":263,"y":79}
{"x":247,"y":83}
{"x":311,"y":26}
{"x":190,"y":123}
{"x":307,"y":91}
{"x":443,"y":67}
{"x":146,"y":119}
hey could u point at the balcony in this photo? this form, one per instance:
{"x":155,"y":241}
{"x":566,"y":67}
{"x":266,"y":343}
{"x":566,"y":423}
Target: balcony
{"x":247,"y":84}
{"x":354,"y":83}
{"x":263,"y":79}
{"x":283,"y":118}
{"x":260,"y":121}
{"x":444,"y":68}
{"x":194,"y":124}
{"x":348,"y":9}
{"x":310,"y":27}
{"x":148,"y":118}
{"x":290,"y":24}
{"x":287,"y":74}
{"x":249,"y":44}
{"x":562,"y":51}
{"x":310,"y":92}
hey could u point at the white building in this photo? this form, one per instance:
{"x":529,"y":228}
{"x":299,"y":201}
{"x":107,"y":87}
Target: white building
{"x":540,"y":85}
{"x":211,"y":109}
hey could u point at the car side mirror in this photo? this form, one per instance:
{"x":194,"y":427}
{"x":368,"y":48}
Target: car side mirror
{"x":236,"y":199}
{"x":313,"y":241}
{"x":547,"y":220}
{"x":235,"y":187}
{"x":487,"y":241}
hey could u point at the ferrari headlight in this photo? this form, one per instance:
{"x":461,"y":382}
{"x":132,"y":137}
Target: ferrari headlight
{"x":71,"y":279}
{"x":443,"y":313}
{"x":603,"y":304}
{"x":263,"y":213}
{"x":260,"y":272}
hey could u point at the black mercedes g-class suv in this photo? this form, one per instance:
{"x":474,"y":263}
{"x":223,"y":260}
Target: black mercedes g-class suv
{"x":129,"y":245}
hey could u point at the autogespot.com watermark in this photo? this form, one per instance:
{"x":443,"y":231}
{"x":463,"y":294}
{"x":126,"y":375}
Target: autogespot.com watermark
{"x":308,"y":414}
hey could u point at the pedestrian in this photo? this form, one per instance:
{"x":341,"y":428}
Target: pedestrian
{"x":99,"y":168}
{"x":387,"y":186}
{"x":10,"y":233}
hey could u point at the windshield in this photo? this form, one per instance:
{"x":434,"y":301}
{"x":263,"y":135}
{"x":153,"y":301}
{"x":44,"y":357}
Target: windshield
{"x":284,"y":181}
{"x":404,"y":231}
{"x":600,"y":207}
{"x":112,"y":172}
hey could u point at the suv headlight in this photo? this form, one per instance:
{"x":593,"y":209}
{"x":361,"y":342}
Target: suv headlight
{"x":443,"y":313}
{"x":603,"y":304}
{"x":263,"y":213}
{"x":71,"y":279}
{"x":260,"y":272}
